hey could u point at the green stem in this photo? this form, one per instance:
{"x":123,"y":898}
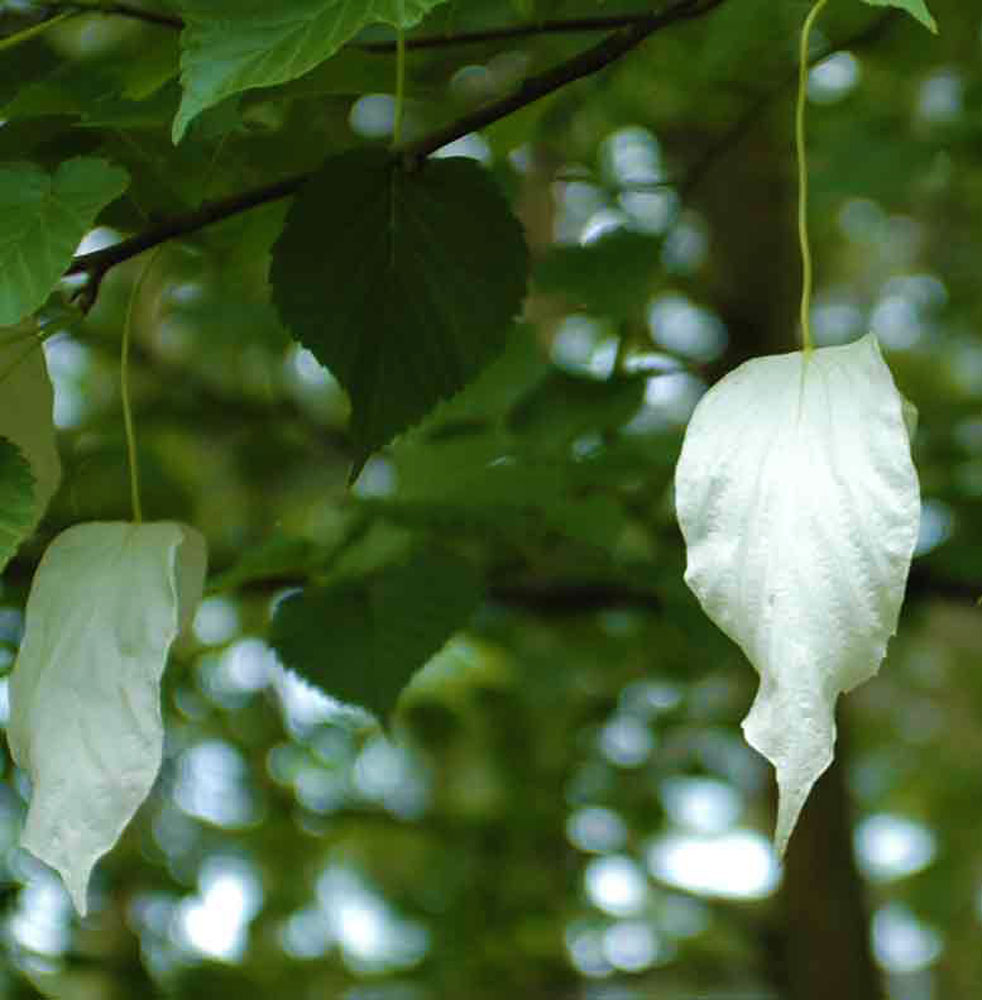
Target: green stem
{"x":400,"y":87}
{"x":28,"y":33}
{"x":802,"y":151}
{"x":124,"y":384}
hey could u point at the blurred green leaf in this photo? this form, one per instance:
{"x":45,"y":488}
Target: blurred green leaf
{"x":17,"y":503}
{"x":362,"y":640}
{"x":611,"y":276}
{"x":916,"y":8}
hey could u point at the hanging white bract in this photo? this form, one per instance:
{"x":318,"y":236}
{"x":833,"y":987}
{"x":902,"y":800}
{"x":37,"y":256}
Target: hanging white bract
{"x":106,"y":604}
{"x":799,"y":504}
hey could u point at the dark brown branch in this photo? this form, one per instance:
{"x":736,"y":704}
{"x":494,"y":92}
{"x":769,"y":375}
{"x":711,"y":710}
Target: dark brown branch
{"x":514,"y":32}
{"x":612,"y":48}
{"x":98,"y":263}
{"x":511,"y":32}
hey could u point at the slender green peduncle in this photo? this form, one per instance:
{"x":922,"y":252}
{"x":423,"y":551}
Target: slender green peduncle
{"x":802,"y":153}
{"x":124,"y":388}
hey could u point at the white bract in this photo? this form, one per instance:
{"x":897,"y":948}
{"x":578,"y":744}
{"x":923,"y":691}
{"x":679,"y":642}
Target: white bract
{"x":26,"y":407}
{"x":799,"y":504}
{"x":106,"y":603}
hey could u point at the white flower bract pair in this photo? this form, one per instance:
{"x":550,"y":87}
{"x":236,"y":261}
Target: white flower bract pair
{"x":799,"y":503}
{"x":106,"y":604}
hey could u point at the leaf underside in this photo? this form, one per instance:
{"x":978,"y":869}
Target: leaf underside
{"x":228,"y":46}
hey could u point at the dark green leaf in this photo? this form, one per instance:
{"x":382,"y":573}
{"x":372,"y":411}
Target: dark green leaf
{"x":916,"y":8}
{"x":231,"y":45}
{"x":361,"y":641}
{"x":403,"y":284}
{"x":44,"y":219}
{"x":17,"y":504}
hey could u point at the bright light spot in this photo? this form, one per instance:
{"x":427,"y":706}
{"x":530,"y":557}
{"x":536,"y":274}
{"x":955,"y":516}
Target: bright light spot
{"x":650,"y":211}
{"x":307,"y":369}
{"x":596,"y":829}
{"x":833,"y":78}
{"x":896,"y":322}
{"x":668,"y":402}
{"x":376,"y":480}
{"x":216,"y":621}
{"x":305,"y":706}
{"x":890,"y":847}
{"x":616,"y":885}
{"x":862,"y":221}
{"x":97,"y":239}
{"x":585,"y":946}
{"x":216,"y":921}
{"x":373,"y":116}
{"x":901,"y":943}
{"x":936,"y":527}
{"x":626,"y":741}
{"x":631,"y":946}
{"x":606,"y":220}
{"x":738,"y":865}
{"x":649,"y":698}
{"x":212,"y":784}
{"x":684,"y":328}
{"x":385,"y":773}
{"x":583,"y":345}
{"x":41,"y":922}
{"x":68,"y":361}
{"x":686,"y":246}
{"x":576,"y":202}
{"x":702,"y":805}
{"x":5,"y":689}
{"x":372,"y":937}
{"x":836,"y":321}
{"x":305,"y":934}
{"x":631,"y":157}
{"x":473,"y":146}
{"x":942,"y":98}
{"x":247,"y":665}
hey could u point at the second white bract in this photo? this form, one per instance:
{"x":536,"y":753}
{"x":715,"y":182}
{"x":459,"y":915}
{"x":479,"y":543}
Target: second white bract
{"x":799,"y":504}
{"x":106,"y":604}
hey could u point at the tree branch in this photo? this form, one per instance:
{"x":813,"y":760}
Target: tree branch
{"x":98,"y":263}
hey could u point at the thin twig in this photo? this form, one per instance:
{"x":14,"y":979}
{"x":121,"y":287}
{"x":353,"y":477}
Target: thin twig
{"x":99,"y":262}
{"x":131,"y":11}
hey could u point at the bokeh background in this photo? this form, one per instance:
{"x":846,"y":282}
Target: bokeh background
{"x":563,"y":805}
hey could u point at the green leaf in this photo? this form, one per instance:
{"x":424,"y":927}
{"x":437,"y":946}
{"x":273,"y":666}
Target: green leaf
{"x":233,"y":45}
{"x":17,"y":503}
{"x":403,"y":284}
{"x":916,"y":8}
{"x":44,"y":219}
{"x":361,"y":641}
{"x":611,"y":276}
{"x":26,"y":410}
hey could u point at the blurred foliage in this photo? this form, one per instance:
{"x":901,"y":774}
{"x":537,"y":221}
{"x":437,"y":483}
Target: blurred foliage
{"x":514,"y":832}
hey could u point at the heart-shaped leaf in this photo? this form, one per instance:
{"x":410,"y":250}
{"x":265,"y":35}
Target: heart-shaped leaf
{"x":106,"y":603}
{"x":403,"y":284}
{"x":799,"y":504}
